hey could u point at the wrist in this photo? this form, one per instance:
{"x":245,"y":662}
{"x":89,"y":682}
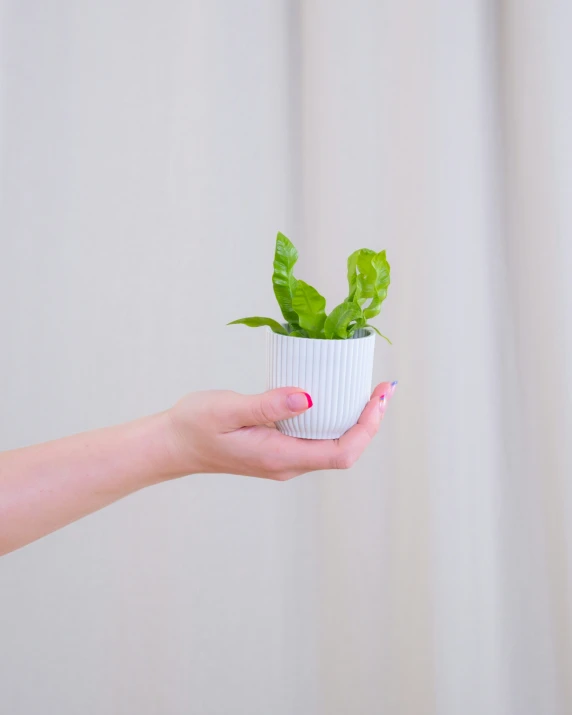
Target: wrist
{"x":174,"y":455}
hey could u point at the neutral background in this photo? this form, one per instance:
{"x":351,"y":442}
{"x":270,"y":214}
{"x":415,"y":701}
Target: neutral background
{"x":150,"y":151}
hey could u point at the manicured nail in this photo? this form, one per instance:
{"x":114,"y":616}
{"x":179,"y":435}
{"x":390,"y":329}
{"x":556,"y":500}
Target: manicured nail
{"x":382,"y":402}
{"x":393,"y":386}
{"x":299,"y":401}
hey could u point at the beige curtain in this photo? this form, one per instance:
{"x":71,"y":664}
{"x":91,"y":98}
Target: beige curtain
{"x":149,"y":153}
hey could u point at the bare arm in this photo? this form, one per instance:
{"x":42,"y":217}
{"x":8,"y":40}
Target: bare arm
{"x":47,"y":486}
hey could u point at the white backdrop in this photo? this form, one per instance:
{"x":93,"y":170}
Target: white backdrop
{"x":149,"y":153}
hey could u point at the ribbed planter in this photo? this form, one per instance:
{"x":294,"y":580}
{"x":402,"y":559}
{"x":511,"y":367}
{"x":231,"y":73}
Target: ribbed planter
{"x":337,"y":374}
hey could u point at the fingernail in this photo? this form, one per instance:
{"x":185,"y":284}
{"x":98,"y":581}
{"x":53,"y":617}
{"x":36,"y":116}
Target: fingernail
{"x":382,"y":402}
{"x":393,"y":386}
{"x":299,"y":401}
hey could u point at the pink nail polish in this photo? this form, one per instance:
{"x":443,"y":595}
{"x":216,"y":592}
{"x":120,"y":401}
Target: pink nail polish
{"x":310,"y":403}
{"x":298,"y":401}
{"x":382,"y":402}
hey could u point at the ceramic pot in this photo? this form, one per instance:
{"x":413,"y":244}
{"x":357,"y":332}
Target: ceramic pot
{"x":337,"y":374}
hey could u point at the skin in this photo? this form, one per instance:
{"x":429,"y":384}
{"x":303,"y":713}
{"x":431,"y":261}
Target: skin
{"x":47,"y":486}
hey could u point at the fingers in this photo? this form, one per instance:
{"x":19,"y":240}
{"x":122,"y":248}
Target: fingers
{"x":312,"y":455}
{"x":352,"y":444}
{"x":279,"y":404}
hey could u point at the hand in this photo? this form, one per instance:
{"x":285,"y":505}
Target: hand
{"x":227,"y":432}
{"x":46,"y":486}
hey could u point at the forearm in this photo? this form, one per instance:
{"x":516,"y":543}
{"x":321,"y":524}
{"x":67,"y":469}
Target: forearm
{"x":47,"y":486}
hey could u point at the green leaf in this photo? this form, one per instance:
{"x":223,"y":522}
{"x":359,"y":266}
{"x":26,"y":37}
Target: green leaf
{"x":299,"y":334}
{"x":367,"y":325}
{"x":381,"y":284}
{"x":310,"y":307}
{"x":368,"y":275}
{"x":283,"y":279}
{"x":337,"y":322}
{"x":368,"y":279}
{"x":361,"y":284}
{"x":256,"y":322}
{"x":352,"y":274}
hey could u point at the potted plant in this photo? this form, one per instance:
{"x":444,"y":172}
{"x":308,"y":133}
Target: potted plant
{"x":330,"y":356}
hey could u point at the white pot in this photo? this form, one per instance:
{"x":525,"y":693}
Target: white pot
{"x":337,"y":374}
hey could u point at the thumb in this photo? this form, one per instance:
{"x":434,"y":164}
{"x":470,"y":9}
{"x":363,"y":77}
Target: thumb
{"x":279,"y":404}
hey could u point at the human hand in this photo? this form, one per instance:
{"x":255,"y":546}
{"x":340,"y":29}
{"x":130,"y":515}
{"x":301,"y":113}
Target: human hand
{"x":223,"y":431}
{"x":46,"y":486}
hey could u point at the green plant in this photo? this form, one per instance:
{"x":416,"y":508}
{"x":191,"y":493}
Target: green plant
{"x":304,"y":309}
